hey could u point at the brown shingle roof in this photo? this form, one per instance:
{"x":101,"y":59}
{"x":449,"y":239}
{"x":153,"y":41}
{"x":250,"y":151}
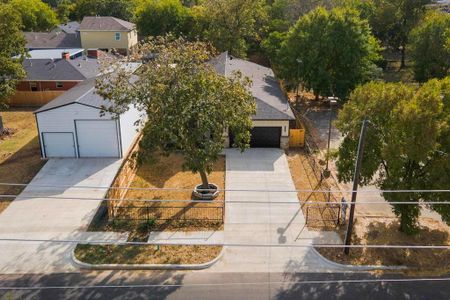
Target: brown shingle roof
{"x":105,"y":24}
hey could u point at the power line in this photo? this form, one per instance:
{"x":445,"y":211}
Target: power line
{"x":217,"y":201}
{"x":315,"y":282}
{"x":222,"y":190}
{"x":234,"y":245}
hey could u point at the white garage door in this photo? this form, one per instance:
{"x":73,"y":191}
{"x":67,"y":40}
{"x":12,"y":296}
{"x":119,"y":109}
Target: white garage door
{"x":97,"y":138}
{"x":58,"y":144}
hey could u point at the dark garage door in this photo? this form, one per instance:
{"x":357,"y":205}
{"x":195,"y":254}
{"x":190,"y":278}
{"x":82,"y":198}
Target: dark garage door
{"x":265,"y":137}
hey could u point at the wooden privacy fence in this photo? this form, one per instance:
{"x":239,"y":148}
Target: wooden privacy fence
{"x":22,"y":98}
{"x":296,"y":138}
{"x":124,"y":178}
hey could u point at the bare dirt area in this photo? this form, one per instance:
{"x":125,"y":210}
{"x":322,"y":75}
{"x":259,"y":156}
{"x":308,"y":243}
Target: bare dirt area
{"x":151,"y":254}
{"x":20,"y":157}
{"x":167,"y":173}
{"x":384,"y":231}
{"x":306,"y":176}
{"x":139,"y":218}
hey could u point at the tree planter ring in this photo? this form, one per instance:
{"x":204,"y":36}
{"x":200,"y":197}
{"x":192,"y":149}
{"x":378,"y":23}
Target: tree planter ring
{"x":210,"y":194}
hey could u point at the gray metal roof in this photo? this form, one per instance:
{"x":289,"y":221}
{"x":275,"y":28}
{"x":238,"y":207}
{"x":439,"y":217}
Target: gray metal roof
{"x":69,"y":27}
{"x":85,"y":93}
{"x":60,"y":69}
{"x":105,"y":24}
{"x":82,"y":93}
{"x":271,"y":102}
{"x":55,"y":40}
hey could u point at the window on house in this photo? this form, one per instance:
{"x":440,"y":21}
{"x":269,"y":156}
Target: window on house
{"x":33,"y":86}
{"x":117,"y":36}
{"x":59,"y":84}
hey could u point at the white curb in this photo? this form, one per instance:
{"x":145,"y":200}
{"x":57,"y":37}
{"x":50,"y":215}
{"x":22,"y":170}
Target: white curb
{"x":357,"y":267}
{"x":83,"y":265}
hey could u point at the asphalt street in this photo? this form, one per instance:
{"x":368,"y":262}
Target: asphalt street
{"x":200,"y":285}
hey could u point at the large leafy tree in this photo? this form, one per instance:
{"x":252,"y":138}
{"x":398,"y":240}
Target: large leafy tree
{"x":158,"y":17}
{"x":429,"y":47}
{"x":122,"y":9}
{"x":330,"y":51}
{"x":12,"y":43}
{"x":282,"y":15}
{"x":393,"y":20}
{"x":407,"y":145}
{"x":35,"y":14}
{"x":188,"y":105}
{"x":233,"y":25}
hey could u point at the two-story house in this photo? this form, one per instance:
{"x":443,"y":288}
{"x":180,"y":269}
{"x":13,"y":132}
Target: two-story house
{"x":108,"y":33}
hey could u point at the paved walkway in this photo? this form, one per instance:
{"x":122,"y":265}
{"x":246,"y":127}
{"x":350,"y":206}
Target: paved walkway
{"x":269,"y":222}
{"x":43,"y":218}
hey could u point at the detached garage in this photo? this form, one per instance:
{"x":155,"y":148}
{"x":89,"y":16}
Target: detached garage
{"x":71,"y":126}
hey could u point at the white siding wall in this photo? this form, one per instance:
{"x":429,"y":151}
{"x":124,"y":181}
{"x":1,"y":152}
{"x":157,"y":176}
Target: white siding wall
{"x":62,"y":119}
{"x":128,"y":131}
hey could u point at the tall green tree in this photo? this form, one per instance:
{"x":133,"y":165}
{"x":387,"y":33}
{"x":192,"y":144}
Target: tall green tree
{"x":407,"y":145}
{"x":393,"y":20}
{"x":158,"y":17}
{"x":429,"y":49}
{"x":35,"y":14}
{"x":188,"y":105}
{"x":233,"y":25}
{"x":64,"y":10}
{"x":122,"y":9}
{"x":329,"y":51}
{"x":12,"y":43}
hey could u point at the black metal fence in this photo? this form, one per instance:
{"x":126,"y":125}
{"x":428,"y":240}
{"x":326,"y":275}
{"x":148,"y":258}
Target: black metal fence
{"x":191,"y":212}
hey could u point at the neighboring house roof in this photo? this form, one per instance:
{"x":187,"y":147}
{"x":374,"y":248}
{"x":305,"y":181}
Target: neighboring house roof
{"x":46,"y":40}
{"x":84,"y":93}
{"x":69,"y":27}
{"x":52,"y":53}
{"x":105,"y":24}
{"x":60,"y":69}
{"x":271,"y":102}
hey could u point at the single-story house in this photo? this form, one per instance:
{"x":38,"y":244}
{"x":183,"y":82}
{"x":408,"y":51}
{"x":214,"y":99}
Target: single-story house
{"x":108,"y":33}
{"x":72,"y":126}
{"x":273,"y":112}
{"x":57,"y":74}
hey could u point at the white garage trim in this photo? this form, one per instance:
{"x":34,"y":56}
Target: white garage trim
{"x":58,"y":144}
{"x":94,"y":146}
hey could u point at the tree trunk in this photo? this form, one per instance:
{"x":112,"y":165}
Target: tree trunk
{"x":1,"y":124}
{"x":403,"y":63}
{"x":205,"y":183}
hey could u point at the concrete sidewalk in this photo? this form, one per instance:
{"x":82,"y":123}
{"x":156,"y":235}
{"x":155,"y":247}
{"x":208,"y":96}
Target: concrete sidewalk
{"x":43,"y":218}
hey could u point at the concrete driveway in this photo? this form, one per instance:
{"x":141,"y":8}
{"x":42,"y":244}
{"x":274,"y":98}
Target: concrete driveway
{"x":269,"y":222}
{"x":43,"y":218}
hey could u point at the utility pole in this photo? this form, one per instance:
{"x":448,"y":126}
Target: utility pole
{"x":356,"y":179}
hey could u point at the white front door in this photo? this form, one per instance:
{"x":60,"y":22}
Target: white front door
{"x":58,"y":144}
{"x":97,"y":138}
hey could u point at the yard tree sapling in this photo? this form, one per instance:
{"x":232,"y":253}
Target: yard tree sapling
{"x":407,"y":143}
{"x":188,"y":105}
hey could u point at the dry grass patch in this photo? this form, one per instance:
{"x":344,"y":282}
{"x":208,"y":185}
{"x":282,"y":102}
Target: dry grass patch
{"x":19,"y":152}
{"x":384,"y":231}
{"x":146,"y":254}
{"x":167,"y":172}
{"x":320,"y":216}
